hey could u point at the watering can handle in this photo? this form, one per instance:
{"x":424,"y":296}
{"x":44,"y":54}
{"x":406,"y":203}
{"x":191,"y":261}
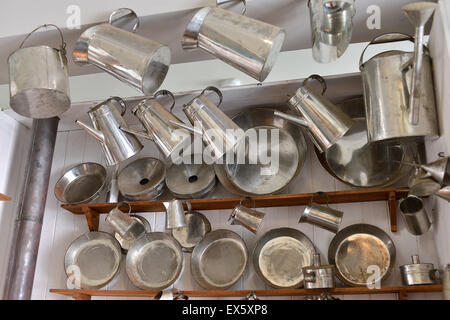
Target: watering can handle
{"x":63,"y":44}
{"x":111,"y":19}
{"x":385,"y":38}
{"x":166,"y":93}
{"x":221,"y":2}
{"x":217,"y":91}
{"x":122,"y":104}
{"x":318,"y":78}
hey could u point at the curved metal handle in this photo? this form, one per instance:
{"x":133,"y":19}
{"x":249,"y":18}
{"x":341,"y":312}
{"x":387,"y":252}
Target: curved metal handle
{"x":129,"y":15}
{"x":216,"y":90}
{"x":385,"y":38}
{"x":221,"y":2}
{"x":120,"y":204}
{"x":122,"y":104}
{"x":319,"y":79}
{"x":435,"y":275}
{"x":188,"y":205}
{"x":166,"y":93}
{"x":63,"y":44}
{"x":310,"y":277}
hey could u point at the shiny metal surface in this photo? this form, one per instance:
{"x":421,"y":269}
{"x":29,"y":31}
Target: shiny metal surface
{"x":175,"y":216}
{"x":356,"y":162}
{"x":81,"y":184}
{"x":170,"y":139}
{"x":250,"y":219}
{"x":39,"y":80}
{"x":325,"y":122}
{"x":190,"y":181}
{"x":126,"y":243}
{"x":197,"y":226}
{"x":332,"y":26}
{"x":319,"y":276}
{"x":279,"y":256}
{"x":387,"y":92}
{"x":419,"y":273}
{"x":421,"y":185}
{"x":219,"y":260}
{"x":113,"y":193}
{"x":142,"y":179}
{"x":358,"y":251}
{"x":414,"y":215}
{"x":107,"y":121}
{"x":444,"y":193}
{"x":135,"y":60}
{"x":248,"y":45}
{"x":154,"y":261}
{"x":246,"y":179}
{"x":322,"y":216}
{"x":439,"y":170}
{"x":94,"y":258}
{"x":125,"y":226}
{"x":446,"y":282}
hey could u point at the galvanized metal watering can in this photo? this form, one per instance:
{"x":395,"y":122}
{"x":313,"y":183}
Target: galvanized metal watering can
{"x":156,"y":119}
{"x":140,"y":62}
{"x":107,"y":121}
{"x":39,"y":79}
{"x":247,"y":44}
{"x":325,"y":122}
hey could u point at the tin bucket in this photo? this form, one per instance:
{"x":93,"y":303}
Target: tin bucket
{"x":39,"y":79}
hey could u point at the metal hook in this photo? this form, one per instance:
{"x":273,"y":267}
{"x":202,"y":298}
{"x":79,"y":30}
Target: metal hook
{"x":111,"y":19}
{"x":319,"y":79}
{"x":221,"y":2}
{"x":63,"y":43}
{"x":320,"y":193}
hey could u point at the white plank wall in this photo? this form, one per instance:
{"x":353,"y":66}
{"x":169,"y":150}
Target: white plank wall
{"x":61,"y":227}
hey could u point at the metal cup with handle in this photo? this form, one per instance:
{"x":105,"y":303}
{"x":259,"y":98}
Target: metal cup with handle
{"x":175,"y":216}
{"x":127,"y":227}
{"x":322,"y":216}
{"x":414,"y":214}
{"x":246,"y":217}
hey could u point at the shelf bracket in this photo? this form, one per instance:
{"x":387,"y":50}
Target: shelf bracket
{"x":392,"y":203}
{"x":402,"y":295}
{"x":81,"y":296}
{"x":92,"y":217}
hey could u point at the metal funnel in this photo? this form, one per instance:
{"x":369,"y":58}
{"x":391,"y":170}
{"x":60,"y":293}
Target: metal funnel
{"x":444,"y":193}
{"x":419,"y":12}
{"x":439,"y":170}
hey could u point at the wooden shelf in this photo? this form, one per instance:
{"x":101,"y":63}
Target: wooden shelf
{"x":401,"y":291}
{"x":4,"y":197}
{"x":92,"y":211}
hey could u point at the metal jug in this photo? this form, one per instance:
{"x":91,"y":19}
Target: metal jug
{"x":250,"y":45}
{"x":128,"y":228}
{"x":133,"y":59}
{"x":318,"y":276}
{"x":414,"y":214}
{"x":322,"y":216}
{"x":219,"y":132}
{"x":419,"y":273}
{"x":39,"y":79}
{"x":388,"y":94}
{"x":246,"y":217}
{"x":169,"y":138}
{"x":325,"y":122}
{"x":175,"y":217}
{"x":332,"y":26}
{"x":107,"y":121}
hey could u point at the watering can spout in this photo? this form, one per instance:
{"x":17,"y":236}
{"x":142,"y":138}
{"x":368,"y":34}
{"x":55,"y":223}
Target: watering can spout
{"x":187,"y":127}
{"x":137,"y":133}
{"x":94,"y":132}
{"x":291,"y":118}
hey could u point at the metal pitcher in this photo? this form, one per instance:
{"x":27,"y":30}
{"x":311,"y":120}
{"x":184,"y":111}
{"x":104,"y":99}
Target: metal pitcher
{"x":133,"y":59}
{"x":219,"y":132}
{"x":414,"y":214}
{"x":325,"y":122}
{"x":246,"y":217}
{"x":332,"y":26}
{"x":322,"y":216}
{"x":39,"y":79}
{"x":388,"y":93}
{"x":169,"y":138}
{"x":175,"y":217}
{"x":318,"y":276}
{"x":250,"y":45}
{"x":107,"y":121}
{"x":128,"y":228}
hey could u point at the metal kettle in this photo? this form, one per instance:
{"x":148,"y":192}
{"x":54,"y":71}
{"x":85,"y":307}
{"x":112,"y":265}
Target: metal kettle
{"x":107,"y":121}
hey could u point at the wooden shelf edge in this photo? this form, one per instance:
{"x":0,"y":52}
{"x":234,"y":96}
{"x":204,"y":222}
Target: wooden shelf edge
{"x":4,"y":197}
{"x":399,"y":290}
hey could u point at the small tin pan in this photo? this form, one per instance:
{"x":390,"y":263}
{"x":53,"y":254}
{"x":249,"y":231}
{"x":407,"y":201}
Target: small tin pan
{"x":197,"y":227}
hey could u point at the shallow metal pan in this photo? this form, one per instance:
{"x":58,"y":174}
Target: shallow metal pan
{"x":197,"y":227}
{"x":280,"y":255}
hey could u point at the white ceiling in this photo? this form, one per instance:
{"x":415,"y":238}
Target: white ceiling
{"x":164,"y":22}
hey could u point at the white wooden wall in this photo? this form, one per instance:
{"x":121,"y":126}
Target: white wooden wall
{"x":61,"y":227}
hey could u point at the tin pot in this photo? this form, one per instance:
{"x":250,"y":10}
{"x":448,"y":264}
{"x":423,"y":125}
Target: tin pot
{"x":414,"y":214}
{"x":133,"y":59}
{"x":39,"y":79}
{"x":318,"y":276}
{"x":419,"y":273}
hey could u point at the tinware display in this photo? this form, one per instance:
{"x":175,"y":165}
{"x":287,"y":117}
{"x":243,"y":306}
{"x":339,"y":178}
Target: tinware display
{"x":126,"y":242}
{"x":279,"y":256}
{"x":318,"y":276}
{"x":219,"y":260}
{"x":419,"y":273}
{"x":388,"y":92}
{"x":322,"y":216}
{"x":414,"y":215}
{"x":81,"y":184}
{"x":142,"y":179}
{"x":245,"y":177}
{"x":154,"y":261}
{"x":170,"y":139}
{"x":331,"y":26}
{"x":124,"y":225}
{"x":92,"y":260}
{"x":363,"y":255}
{"x":325,"y":122}
{"x":39,"y":79}
{"x":190,"y":180}
{"x":137,"y":61}
{"x":197,"y":226}
{"x":250,"y":45}
{"x":175,"y":216}
{"x":107,"y":121}
{"x":250,"y":219}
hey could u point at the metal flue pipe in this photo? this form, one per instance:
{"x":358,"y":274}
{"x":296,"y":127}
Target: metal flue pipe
{"x":27,"y":230}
